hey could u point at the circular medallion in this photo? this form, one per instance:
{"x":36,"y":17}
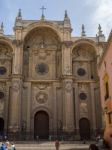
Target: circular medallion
{"x":83,"y":96}
{"x":41,"y":97}
{"x":42,"y":68}
{"x":1,"y":95}
{"x":81,"y":72}
{"x":3,"y":70}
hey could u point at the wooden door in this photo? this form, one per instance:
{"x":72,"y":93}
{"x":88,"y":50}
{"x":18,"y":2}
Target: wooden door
{"x":1,"y":126}
{"x":41,"y":125}
{"x":84,"y":126}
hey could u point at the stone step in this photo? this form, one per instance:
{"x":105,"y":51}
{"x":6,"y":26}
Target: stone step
{"x":51,"y":146}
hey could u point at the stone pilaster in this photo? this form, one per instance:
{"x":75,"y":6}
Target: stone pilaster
{"x":66,"y":58}
{"x":93,"y":107}
{"x":16,"y":86}
{"x":77,"y":108}
{"x":68,"y":111}
{"x":15,"y":105}
{"x":18,"y":57}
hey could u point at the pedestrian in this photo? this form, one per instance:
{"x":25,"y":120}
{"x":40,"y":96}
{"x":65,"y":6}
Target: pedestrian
{"x":93,"y":147}
{"x":57,"y":144}
{"x":3,"y":146}
{"x":13,"y":146}
{"x":111,"y":142}
{"x":98,"y":138}
{"x":7,"y":143}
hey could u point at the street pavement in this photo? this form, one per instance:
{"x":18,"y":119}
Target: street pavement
{"x":51,"y":146}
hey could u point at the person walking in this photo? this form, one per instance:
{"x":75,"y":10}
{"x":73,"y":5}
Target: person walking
{"x":13,"y":146}
{"x":93,"y":147}
{"x":3,"y":146}
{"x":57,"y":144}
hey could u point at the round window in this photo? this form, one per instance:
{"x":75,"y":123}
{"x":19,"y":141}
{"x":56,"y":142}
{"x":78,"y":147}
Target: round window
{"x":82,"y":96}
{"x":81,"y":72}
{"x":1,"y":95}
{"x":3,"y":70}
{"x":42,"y":68}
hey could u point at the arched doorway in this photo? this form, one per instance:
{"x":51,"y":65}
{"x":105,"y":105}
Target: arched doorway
{"x":84,"y":126}
{"x":41,"y":125}
{"x":1,"y":126}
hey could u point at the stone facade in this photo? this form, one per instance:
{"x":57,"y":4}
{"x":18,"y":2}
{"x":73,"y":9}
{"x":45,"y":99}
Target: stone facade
{"x":48,"y":74}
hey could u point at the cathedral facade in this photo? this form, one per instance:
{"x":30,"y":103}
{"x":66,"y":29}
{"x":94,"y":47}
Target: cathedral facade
{"x":49,"y":83}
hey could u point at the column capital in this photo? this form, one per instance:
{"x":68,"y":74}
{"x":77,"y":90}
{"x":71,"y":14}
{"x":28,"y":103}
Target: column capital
{"x":67,"y":44}
{"x":18,"y":43}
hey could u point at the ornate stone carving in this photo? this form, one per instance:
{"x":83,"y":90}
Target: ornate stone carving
{"x":15,"y":85}
{"x":2,"y":86}
{"x":83,"y":109}
{"x":41,"y":97}
{"x":18,"y":43}
{"x":42,"y":55}
{"x":67,"y":69}
{"x":88,"y":54}
{"x":42,"y":86}
{"x":42,"y":39}
{"x":83,"y":87}
{"x":67,"y":44}
{"x":5,"y":53}
{"x":68,"y":86}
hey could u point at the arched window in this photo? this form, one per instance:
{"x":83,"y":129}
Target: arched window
{"x":106,"y":86}
{"x":106,"y":90}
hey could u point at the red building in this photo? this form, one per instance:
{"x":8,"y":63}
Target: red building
{"x":105,"y":74}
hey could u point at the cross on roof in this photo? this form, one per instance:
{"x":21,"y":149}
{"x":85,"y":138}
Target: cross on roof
{"x":43,"y":8}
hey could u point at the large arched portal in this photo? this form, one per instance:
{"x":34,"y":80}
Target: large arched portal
{"x":1,"y":125}
{"x":84,"y":126}
{"x":41,"y":125}
{"x":41,"y":46}
{"x":84,"y":61}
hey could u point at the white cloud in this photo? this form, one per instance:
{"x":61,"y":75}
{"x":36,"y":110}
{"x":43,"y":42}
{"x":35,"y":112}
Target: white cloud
{"x":103,"y":15}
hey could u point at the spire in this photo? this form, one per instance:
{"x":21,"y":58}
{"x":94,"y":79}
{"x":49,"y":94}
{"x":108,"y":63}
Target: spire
{"x":18,"y":20}
{"x":67,"y":20}
{"x":100,"y":36}
{"x":66,"y":14}
{"x":19,"y":16}
{"x":2,"y":29}
{"x":83,"y":30}
{"x":100,"y":30}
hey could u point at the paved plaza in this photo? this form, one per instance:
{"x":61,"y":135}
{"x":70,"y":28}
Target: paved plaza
{"x":51,"y":146}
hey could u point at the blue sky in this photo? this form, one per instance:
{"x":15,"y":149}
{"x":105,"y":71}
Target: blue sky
{"x":87,"y":12}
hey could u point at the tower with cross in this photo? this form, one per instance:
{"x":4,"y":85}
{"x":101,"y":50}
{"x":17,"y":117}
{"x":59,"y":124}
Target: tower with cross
{"x":43,"y":8}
